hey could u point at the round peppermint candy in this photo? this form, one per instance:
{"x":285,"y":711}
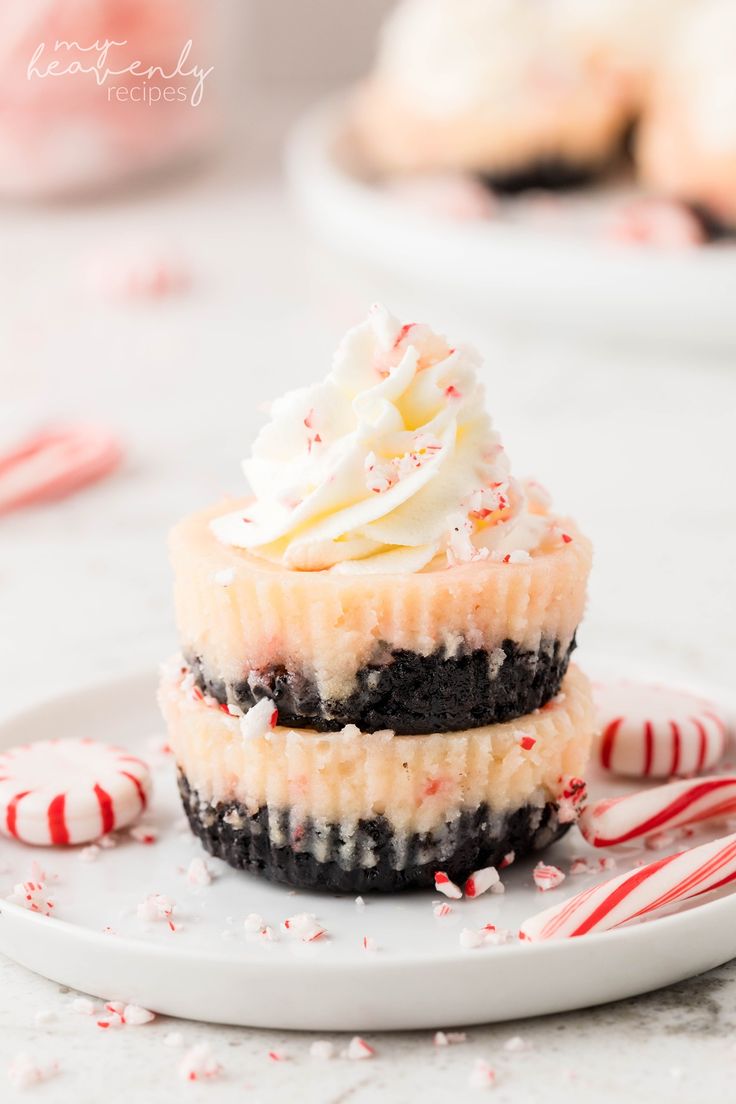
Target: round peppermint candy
{"x":650,"y":731}
{"x":69,"y":791}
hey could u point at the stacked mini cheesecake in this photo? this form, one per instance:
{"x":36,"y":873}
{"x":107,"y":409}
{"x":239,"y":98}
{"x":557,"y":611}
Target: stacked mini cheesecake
{"x":374,"y":680}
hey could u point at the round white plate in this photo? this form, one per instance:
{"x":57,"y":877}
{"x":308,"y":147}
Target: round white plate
{"x":210,"y":969}
{"x":547,"y":262}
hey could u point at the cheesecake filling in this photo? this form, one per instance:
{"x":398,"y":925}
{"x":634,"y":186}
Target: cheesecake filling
{"x":419,"y":784}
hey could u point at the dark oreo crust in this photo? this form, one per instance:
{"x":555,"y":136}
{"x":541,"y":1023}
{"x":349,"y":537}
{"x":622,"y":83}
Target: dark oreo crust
{"x":548,"y":175}
{"x":476,"y":842}
{"x":410,"y":694}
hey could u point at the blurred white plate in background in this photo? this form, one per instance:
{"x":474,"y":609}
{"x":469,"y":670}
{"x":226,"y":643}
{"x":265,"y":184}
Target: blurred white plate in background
{"x":536,"y":262}
{"x":210,"y":969}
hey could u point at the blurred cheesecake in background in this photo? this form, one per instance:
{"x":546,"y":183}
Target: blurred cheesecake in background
{"x":686,"y":147}
{"x":522,"y":93}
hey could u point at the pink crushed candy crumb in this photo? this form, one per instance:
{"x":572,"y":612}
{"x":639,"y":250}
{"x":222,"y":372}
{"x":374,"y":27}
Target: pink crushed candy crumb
{"x":199,"y":1063}
{"x":526,"y":742}
{"x":659,"y":841}
{"x":32,"y":896}
{"x":580,"y":866}
{"x":607,"y":863}
{"x":23,"y":1071}
{"x":322,"y":1049}
{"x":480,"y":881}
{"x":657,"y":221}
{"x":259,"y":720}
{"x":507,"y":859}
{"x":515,"y":1044}
{"x":83,"y":1006}
{"x":547,"y":877}
{"x":446,"y":887}
{"x":482,"y":1076}
{"x":448,"y":1038}
{"x":470,"y":938}
{"x":143,"y":833}
{"x":277,"y":1056}
{"x":369,"y":943}
{"x":135,"y":1016}
{"x":107,"y":842}
{"x":254,"y":923}
{"x":358,"y":1049}
{"x":441,"y":910}
{"x":91,"y":853}
{"x":304,"y":926}
{"x":198,"y":873}
{"x":157,"y":907}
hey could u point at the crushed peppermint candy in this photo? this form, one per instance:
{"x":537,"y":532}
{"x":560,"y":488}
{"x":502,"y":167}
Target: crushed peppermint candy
{"x":198,"y":873}
{"x":304,"y":926}
{"x":90,"y":853}
{"x":480,"y":881}
{"x":322,"y":1049}
{"x":581,"y":866}
{"x":526,"y":742}
{"x":32,"y":896}
{"x":507,"y":860}
{"x":359,"y":903}
{"x":83,"y":1006}
{"x":369,"y":943}
{"x":358,"y":1049}
{"x":23,"y":1071}
{"x":442,"y":909}
{"x":482,"y":1076}
{"x":470,"y":938}
{"x":259,"y":720}
{"x":199,"y":1063}
{"x":448,"y":888}
{"x":277,"y":1056}
{"x":157,"y":907}
{"x":448,"y":1038}
{"x":143,"y":833}
{"x":254,"y":923}
{"x":515,"y":1044}
{"x":547,"y":877}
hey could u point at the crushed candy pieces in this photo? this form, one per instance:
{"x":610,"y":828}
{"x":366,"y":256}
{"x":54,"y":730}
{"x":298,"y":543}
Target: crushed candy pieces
{"x":448,"y":888}
{"x":482,"y":1076}
{"x":157,"y":907}
{"x":199,"y":1064}
{"x":547,"y":877}
{"x":480,"y":881}
{"x":358,"y":1049}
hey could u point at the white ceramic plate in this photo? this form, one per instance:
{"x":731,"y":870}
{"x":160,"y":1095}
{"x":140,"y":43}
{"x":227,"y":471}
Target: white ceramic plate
{"x":210,"y":969}
{"x":535,"y":263}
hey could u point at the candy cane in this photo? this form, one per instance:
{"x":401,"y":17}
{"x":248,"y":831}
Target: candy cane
{"x":53,"y":463}
{"x":669,"y":881}
{"x":620,"y":820}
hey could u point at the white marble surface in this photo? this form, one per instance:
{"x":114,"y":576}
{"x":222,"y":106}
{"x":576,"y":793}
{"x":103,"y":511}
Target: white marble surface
{"x":637,"y":444}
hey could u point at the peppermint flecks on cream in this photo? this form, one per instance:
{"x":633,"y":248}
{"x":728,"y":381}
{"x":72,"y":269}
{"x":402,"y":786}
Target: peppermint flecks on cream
{"x":389,"y":464}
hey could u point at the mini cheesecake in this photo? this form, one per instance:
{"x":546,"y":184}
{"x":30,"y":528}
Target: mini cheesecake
{"x":686,"y":143}
{"x":432,"y":651}
{"x":374,"y":679}
{"x":527,"y":95}
{"x":353,"y":811}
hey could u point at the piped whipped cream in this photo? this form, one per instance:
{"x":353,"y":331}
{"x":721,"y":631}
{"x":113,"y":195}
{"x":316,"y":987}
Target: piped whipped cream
{"x":391,"y":464}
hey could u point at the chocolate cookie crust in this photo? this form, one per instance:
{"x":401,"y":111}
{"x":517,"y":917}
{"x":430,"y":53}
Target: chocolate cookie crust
{"x":245,"y":841}
{"x":407,"y":692}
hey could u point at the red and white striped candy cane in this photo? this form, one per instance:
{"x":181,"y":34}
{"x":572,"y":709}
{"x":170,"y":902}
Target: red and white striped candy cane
{"x":55,"y":462}
{"x":668,"y":881}
{"x":619,"y":820}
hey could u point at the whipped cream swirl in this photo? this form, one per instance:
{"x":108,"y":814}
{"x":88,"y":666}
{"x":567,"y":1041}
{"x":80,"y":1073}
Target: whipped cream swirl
{"x":389,"y":465}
